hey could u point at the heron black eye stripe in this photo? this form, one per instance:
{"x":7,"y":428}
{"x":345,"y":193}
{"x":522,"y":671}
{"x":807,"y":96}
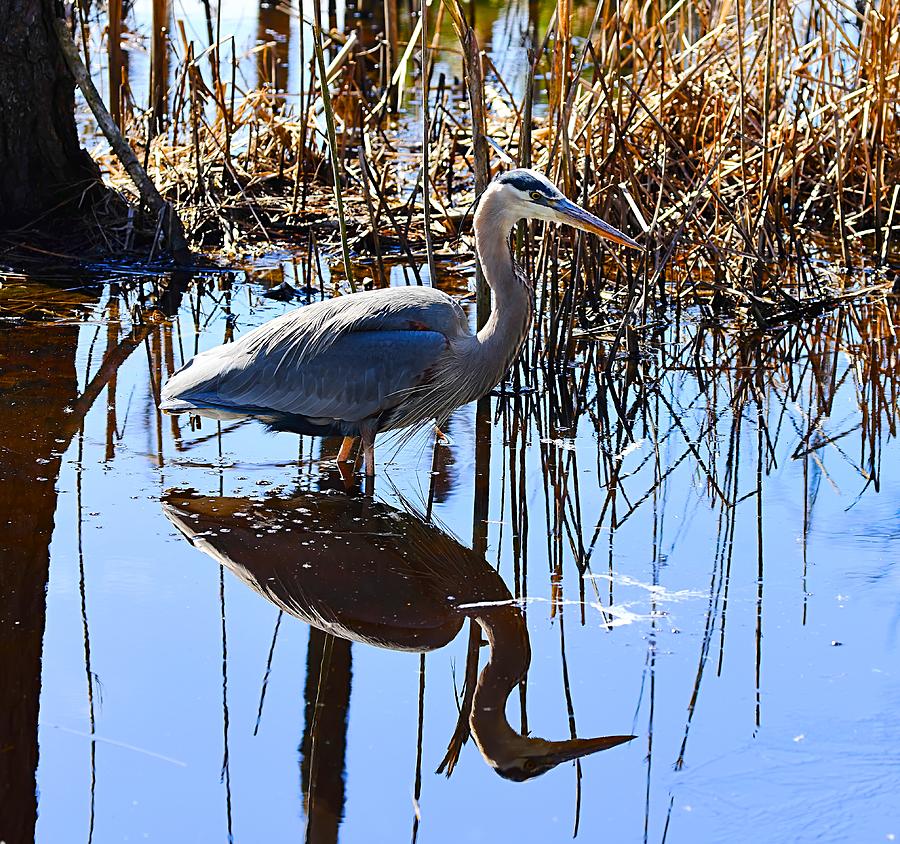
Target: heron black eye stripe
{"x":525,"y":183}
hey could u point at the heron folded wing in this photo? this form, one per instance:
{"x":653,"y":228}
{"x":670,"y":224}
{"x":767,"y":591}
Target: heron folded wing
{"x":307,"y":332}
{"x":303,"y":335}
{"x":358,"y":376}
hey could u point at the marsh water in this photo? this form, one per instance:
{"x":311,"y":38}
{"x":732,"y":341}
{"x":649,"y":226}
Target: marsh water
{"x":714,"y":572}
{"x":702,"y":541}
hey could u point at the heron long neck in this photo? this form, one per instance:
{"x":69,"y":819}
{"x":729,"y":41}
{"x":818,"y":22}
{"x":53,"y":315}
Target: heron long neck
{"x":513,"y":299}
{"x":510,"y":655}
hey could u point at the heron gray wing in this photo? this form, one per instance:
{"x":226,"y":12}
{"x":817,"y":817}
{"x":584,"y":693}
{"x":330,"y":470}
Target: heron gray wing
{"x":360,"y":375}
{"x":299,"y":337}
{"x":303,"y":333}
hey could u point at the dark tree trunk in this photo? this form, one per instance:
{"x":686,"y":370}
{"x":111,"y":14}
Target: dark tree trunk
{"x":42,"y":164}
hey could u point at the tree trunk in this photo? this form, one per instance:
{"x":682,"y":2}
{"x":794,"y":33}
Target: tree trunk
{"x":42,"y":165}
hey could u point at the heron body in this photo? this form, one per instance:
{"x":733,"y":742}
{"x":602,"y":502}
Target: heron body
{"x":385,"y":359}
{"x":362,"y":570}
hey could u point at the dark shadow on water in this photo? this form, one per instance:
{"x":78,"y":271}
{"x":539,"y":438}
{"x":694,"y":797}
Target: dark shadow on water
{"x":39,"y":386}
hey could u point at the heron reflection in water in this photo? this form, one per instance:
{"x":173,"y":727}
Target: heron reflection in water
{"x":364,"y":571}
{"x":383,"y":360}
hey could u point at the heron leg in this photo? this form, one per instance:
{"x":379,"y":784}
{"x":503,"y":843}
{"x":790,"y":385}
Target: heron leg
{"x":369,"y":458}
{"x":439,"y":435}
{"x":368,"y":444}
{"x":346,"y":448}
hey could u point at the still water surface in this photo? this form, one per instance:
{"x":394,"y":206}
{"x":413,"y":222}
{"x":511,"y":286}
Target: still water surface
{"x":716,"y":574}
{"x":702,"y":547}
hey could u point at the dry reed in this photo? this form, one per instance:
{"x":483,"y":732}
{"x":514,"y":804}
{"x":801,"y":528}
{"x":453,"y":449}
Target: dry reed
{"x":752,"y":147}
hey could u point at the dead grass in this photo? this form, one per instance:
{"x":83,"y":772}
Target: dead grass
{"x":753,"y":147}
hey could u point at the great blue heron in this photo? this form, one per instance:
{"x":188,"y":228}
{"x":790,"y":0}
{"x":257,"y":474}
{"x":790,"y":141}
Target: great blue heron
{"x":384,"y":359}
{"x":362,"y":570}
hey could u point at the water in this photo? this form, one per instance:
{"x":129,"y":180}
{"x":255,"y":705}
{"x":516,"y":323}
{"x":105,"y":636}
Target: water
{"x":701,"y":544}
{"x":760,"y":680}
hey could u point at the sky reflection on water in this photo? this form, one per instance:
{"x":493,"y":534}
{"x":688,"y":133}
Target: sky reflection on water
{"x":762,"y":687}
{"x":626,"y":518}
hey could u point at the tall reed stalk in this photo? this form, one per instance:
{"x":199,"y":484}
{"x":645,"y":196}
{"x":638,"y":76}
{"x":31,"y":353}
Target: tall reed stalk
{"x":114,"y":57}
{"x":159,"y":64}
{"x":337,"y":170}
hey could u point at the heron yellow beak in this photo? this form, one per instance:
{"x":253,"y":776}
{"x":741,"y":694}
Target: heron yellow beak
{"x":574,"y":215}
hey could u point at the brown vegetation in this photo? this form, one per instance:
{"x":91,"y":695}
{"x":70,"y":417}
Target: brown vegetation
{"x":753,"y":149}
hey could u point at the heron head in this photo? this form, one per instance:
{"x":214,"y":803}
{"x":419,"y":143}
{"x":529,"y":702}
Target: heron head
{"x":531,"y":757}
{"x":512,"y":755}
{"x":528,"y":194}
